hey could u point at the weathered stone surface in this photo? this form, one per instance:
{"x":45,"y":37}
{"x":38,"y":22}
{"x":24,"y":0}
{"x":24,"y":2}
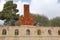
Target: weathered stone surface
{"x":33,"y":33}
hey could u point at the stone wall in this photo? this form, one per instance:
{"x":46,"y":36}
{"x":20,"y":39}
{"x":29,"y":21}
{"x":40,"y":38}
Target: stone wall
{"x":33,"y":33}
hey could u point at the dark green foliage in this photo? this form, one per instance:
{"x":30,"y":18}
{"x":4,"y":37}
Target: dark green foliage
{"x":9,"y":13}
{"x":40,"y":20}
{"x":55,"y":21}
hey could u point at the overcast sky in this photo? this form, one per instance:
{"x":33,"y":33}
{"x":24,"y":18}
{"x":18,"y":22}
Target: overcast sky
{"x":49,"y":8}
